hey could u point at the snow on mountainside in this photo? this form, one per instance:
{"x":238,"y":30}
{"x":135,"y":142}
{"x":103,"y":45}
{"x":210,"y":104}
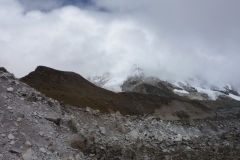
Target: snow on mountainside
{"x":106,"y":81}
{"x":193,"y":88}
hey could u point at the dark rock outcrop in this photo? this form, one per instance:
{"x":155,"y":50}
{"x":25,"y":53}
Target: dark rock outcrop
{"x":3,"y":70}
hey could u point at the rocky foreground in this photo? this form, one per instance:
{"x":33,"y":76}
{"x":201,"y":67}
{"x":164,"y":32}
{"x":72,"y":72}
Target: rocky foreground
{"x":34,"y":126}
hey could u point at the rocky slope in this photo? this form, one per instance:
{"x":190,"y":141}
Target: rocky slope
{"x":34,"y":126}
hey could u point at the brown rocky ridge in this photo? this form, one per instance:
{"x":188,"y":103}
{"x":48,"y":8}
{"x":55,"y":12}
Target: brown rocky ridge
{"x":71,"y":88}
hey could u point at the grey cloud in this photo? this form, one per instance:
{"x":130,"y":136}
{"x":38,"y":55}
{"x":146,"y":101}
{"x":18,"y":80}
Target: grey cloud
{"x":43,"y":5}
{"x":168,"y":39}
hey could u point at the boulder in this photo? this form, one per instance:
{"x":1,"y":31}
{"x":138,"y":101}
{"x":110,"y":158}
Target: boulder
{"x":10,"y":136}
{"x":77,"y":143}
{"x":29,"y":155}
{"x":134,"y":134}
{"x":68,"y":122}
{"x":102,"y":130}
{"x":31,"y":97}
{"x":53,"y":117}
{"x":10,"y":89}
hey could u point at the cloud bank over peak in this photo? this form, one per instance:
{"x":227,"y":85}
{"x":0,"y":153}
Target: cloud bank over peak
{"x":168,"y":40}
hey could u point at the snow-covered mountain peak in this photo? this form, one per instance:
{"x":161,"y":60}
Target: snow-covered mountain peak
{"x":193,"y":88}
{"x":107,"y":81}
{"x":138,"y":72}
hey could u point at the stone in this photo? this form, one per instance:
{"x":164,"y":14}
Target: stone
{"x":29,"y":155}
{"x":10,"y":136}
{"x":2,"y":142}
{"x":88,"y":109}
{"x":50,"y":102}
{"x":68,"y":122}
{"x":77,"y":143}
{"x":9,"y":108}
{"x":43,"y":150}
{"x":102,"y":130}
{"x":19,"y":115}
{"x":53,"y":118}
{"x":134,"y":134}
{"x":79,"y":156}
{"x":121,"y":128}
{"x":118,"y":114}
{"x":178,"y":138}
{"x":5,"y":97}
{"x":31,"y":97}
{"x":39,"y":98}
{"x":27,"y":143}
{"x":168,"y":157}
{"x":15,"y":150}
{"x":12,"y":142}
{"x":52,"y":147}
{"x":10,"y":89}
{"x":41,"y":133}
{"x":188,"y":148}
{"x":3,"y":135}
{"x":96,"y":112}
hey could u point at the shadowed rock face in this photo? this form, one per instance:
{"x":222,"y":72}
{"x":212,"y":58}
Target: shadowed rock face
{"x":73,"y":89}
{"x":3,"y":69}
{"x":160,"y":90}
{"x":148,"y":85}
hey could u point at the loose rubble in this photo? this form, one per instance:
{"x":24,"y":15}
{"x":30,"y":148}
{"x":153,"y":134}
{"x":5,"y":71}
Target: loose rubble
{"x":35,"y":127}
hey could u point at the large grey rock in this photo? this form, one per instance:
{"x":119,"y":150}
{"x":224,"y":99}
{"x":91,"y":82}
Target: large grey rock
{"x":68,"y":122}
{"x":29,"y":155}
{"x":10,"y":136}
{"x":50,"y":102}
{"x":27,"y":143}
{"x":77,"y":143}
{"x":134,"y":134}
{"x":52,"y":147}
{"x":31,"y":97}
{"x":42,"y":150}
{"x":16,"y":150}
{"x":10,"y":89}
{"x":53,"y":117}
{"x":102,"y":130}
{"x":2,"y":142}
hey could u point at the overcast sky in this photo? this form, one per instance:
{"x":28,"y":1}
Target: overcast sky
{"x":173,"y":39}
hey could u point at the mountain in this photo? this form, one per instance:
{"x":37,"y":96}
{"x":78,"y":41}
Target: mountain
{"x":106,"y":81}
{"x":73,"y":89}
{"x":193,"y":88}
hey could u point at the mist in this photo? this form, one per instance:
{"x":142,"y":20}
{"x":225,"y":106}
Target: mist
{"x":168,"y":39}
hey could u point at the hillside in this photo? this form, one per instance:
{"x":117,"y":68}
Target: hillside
{"x":73,"y":89}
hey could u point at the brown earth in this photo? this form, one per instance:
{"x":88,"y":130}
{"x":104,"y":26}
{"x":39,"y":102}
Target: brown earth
{"x":73,"y":89}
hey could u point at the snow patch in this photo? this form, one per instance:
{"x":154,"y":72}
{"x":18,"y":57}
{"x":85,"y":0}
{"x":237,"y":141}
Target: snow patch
{"x":234,"y":97}
{"x":213,"y":95}
{"x":180,"y":91}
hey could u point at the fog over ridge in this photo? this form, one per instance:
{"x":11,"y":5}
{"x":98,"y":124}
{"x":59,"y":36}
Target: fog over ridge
{"x":170,"y":40}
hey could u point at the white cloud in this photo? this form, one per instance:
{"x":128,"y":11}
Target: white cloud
{"x":164,"y":43}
